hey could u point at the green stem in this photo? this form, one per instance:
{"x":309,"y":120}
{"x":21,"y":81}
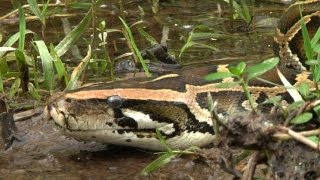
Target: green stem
{"x":314,"y":78}
{"x":248,"y":95}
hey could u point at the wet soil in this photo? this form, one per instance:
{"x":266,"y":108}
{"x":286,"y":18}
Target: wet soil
{"x":42,"y":152}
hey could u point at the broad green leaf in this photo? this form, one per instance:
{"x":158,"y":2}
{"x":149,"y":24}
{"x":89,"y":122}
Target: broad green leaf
{"x":74,"y":35}
{"x":218,"y":75}
{"x":47,"y":65}
{"x":295,"y":105}
{"x":135,"y":47}
{"x":273,"y":100}
{"x":316,"y":109}
{"x":261,"y":68}
{"x":76,"y":73}
{"x":314,"y":139}
{"x":241,"y":66}
{"x":22,"y":28}
{"x":237,"y":70}
{"x":302,"y":118}
{"x":304,"y":89}
{"x":36,"y":11}
{"x":14,"y":88}
{"x":158,"y":163}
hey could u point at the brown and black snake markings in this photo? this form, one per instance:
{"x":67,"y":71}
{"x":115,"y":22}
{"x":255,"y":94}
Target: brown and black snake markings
{"x":128,"y":112}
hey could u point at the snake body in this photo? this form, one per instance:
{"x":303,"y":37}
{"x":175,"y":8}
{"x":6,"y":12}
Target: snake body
{"x":128,"y":112}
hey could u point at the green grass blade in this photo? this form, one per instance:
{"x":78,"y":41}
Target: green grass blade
{"x":22,"y":27}
{"x":158,"y":163}
{"x":205,"y":35}
{"x":47,"y":65}
{"x":315,"y":38}
{"x":78,"y":71}
{"x":306,"y":39}
{"x":147,"y":36}
{"x":13,"y":39}
{"x":4,"y":68}
{"x":1,"y":83}
{"x":74,"y":35}
{"x":201,"y":45}
{"x":186,"y":46}
{"x":20,"y":57}
{"x":36,"y":11}
{"x":135,"y":47}
{"x":59,"y":65}
{"x":33,"y":92}
{"x":163,"y":141}
{"x":82,"y":5}
{"x":14,"y":88}
{"x":246,"y":11}
{"x":23,"y":69}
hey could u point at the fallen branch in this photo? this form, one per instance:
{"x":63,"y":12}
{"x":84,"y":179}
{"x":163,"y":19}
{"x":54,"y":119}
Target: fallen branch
{"x":301,"y":138}
{"x":286,"y":136}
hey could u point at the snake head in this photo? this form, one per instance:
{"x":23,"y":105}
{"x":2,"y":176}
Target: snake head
{"x":120,"y":117}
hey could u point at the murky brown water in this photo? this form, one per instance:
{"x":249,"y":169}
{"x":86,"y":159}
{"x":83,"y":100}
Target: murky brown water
{"x":43,"y":152}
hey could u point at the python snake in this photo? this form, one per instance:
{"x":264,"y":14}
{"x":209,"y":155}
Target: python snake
{"x":128,"y":112}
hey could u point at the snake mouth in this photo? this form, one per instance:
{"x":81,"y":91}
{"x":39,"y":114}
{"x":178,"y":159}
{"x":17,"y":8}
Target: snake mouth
{"x":71,"y":118}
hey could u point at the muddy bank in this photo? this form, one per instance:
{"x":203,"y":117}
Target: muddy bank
{"x":42,"y":152}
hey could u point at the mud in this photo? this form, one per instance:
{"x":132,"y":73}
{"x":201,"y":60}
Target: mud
{"x":42,"y":152}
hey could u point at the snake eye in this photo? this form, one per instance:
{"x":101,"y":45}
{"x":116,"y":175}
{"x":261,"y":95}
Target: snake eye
{"x":114,"y":101}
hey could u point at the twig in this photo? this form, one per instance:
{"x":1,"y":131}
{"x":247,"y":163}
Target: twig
{"x":301,"y":138}
{"x":251,"y":167}
{"x":27,"y":6}
{"x":25,"y":115}
{"x":285,"y":136}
